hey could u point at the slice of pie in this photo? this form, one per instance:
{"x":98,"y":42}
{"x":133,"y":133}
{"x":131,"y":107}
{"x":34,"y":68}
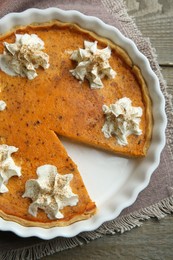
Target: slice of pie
{"x":69,"y":88}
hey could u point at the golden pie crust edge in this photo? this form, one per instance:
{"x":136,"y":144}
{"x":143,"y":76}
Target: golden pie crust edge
{"x":53,"y":223}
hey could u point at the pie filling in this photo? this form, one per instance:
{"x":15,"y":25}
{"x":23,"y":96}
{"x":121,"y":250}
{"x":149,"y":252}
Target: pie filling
{"x":59,"y":78}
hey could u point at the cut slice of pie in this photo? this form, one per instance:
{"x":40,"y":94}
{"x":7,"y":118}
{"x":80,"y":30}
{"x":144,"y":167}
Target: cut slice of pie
{"x":55,"y":102}
{"x":39,"y":146}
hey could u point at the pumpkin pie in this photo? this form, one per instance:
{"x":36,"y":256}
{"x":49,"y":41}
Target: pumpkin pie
{"x":85,"y":88}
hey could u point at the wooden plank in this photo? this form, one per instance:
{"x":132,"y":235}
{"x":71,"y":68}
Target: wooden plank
{"x":153,"y":240}
{"x":155,"y":20}
{"x":167,"y":73}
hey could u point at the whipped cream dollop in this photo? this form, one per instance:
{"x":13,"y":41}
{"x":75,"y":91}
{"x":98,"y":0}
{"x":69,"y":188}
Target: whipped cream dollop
{"x":2,"y":105}
{"x":92,"y":64}
{"x":24,"y":56}
{"x":51,"y":192}
{"x":8,"y":168}
{"x":122,"y":120}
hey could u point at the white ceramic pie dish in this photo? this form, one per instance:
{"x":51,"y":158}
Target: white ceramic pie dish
{"x":118,"y":180}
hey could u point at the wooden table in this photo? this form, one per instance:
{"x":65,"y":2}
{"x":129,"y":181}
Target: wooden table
{"x":154,"y":240}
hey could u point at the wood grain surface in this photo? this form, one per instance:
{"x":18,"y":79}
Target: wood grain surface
{"x":154,"y":239}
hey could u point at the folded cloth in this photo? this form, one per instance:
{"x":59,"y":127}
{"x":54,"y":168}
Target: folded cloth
{"x":157,"y":199}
